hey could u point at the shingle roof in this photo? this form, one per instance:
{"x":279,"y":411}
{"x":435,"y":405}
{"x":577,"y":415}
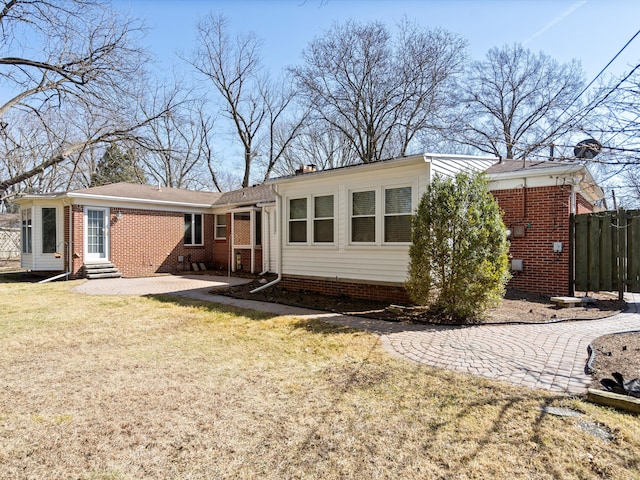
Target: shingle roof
{"x":151,"y":193}
{"x":246,"y":196}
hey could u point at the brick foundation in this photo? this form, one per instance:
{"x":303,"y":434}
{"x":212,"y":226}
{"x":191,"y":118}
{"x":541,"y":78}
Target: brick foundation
{"x":371,"y":291}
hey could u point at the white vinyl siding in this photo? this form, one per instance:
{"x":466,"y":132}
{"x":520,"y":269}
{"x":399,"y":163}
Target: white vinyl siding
{"x":384,"y":260}
{"x":42,"y":228}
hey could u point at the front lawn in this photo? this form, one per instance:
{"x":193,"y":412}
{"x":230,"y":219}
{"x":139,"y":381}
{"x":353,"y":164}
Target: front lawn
{"x":129,"y":387}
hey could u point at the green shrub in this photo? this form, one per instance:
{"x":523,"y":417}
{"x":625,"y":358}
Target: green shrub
{"x":458,"y":259}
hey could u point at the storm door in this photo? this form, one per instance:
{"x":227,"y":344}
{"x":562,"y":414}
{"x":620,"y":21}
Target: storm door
{"x":96,"y":234}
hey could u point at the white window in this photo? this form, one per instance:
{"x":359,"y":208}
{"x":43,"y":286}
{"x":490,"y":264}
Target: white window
{"x":193,"y":229}
{"x":298,"y":220}
{"x":363,"y":216}
{"x":49,"y":234}
{"x":221,"y":227}
{"x":26,"y":231}
{"x":323,"y":219}
{"x":397,"y":214}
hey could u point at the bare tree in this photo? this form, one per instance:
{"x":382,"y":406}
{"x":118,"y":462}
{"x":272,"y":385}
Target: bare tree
{"x":323,"y":147}
{"x":233,"y":67}
{"x":73,"y":69}
{"x":377,"y":91}
{"x":517,"y":102}
{"x":282,"y":127}
{"x":175,"y":148}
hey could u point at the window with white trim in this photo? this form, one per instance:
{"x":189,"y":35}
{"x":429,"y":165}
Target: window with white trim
{"x":298,"y":220}
{"x":193,"y":229}
{"x":363,"y":216}
{"x":397,"y":215}
{"x":221,"y":227}
{"x":49,"y":234}
{"x":323,"y":219}
{"x":26,"y":231}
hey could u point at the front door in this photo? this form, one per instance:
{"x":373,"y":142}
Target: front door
{"x":96,"y":234}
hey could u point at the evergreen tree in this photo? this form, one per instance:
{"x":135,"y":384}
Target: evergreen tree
{"x":458,"y":259}
{"x":117,"y":166}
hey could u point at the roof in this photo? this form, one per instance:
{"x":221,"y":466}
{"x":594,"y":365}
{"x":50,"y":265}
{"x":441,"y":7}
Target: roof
{"x":381,"y":164}
{"x":149,"y":193}
{"x":514,"y":166}
{"x":9,"y":220}
{"x":250,"y":195}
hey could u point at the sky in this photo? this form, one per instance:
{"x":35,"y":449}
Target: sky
{"x":592,"y":31}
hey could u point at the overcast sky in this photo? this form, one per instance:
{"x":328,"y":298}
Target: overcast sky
{"x":592,"y":31}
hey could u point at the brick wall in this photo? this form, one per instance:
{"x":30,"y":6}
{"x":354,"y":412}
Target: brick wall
{"x":145,"y":242}
{"x":378,"y":291}
{"x":77,"y":246}
{"x":538,"y":217}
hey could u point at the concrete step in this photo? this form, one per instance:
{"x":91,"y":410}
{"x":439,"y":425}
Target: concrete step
{"x":95,"y":276}
{"x":95,"y":271}
{"x":95,"y":266}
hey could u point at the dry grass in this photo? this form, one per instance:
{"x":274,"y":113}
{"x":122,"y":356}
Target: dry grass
{"x":129,"y":388}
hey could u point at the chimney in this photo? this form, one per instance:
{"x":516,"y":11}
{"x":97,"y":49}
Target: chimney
{"x":306,"y":169}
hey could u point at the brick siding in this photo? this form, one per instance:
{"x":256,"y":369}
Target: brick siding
{"x":146,"y":242}
{"x":542,"y":214}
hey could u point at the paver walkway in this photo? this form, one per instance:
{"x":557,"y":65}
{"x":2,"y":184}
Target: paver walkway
{"x":549,"y":356}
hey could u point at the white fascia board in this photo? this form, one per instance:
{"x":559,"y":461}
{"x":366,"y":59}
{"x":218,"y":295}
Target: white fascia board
{"x":160,"y":203}
{"x":553,"y":171}
{"x":444,"y":156}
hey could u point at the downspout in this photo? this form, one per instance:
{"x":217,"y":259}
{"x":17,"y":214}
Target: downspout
{"x":266,"y":257}
{"x":70,"y":242}
{"x":280,"y":239}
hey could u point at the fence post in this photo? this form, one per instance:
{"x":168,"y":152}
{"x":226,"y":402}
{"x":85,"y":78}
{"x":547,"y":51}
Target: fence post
{"x":572,"y":234}
{"x":622,"y":254}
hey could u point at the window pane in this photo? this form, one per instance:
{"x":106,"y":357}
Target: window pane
{"x":221,"y":226}
{"x":197,"y":237}
{"x":258,"y":217}
{"x":397,"y":228}
{"x":323,"y":230}
{"x":298,"y":208}
{"x":323,"y":207}
{"x":48,"y":230}
{"x":363,"y":229}
{"x":188,"y":230}
{"x":298,"y":231}
{"x":26,"y":231}
{"x":397,"y":200}
{"x":364,"y":203}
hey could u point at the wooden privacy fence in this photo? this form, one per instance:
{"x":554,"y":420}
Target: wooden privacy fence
{"x":606,"y":251}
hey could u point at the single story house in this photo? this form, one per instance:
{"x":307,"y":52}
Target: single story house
{"x":339,"y":231}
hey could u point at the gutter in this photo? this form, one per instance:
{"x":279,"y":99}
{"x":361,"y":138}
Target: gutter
{"x":280,"y":237}
{"x":138,"y":200}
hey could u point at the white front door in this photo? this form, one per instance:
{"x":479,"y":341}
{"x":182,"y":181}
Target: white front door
{"x":96,"y":234}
